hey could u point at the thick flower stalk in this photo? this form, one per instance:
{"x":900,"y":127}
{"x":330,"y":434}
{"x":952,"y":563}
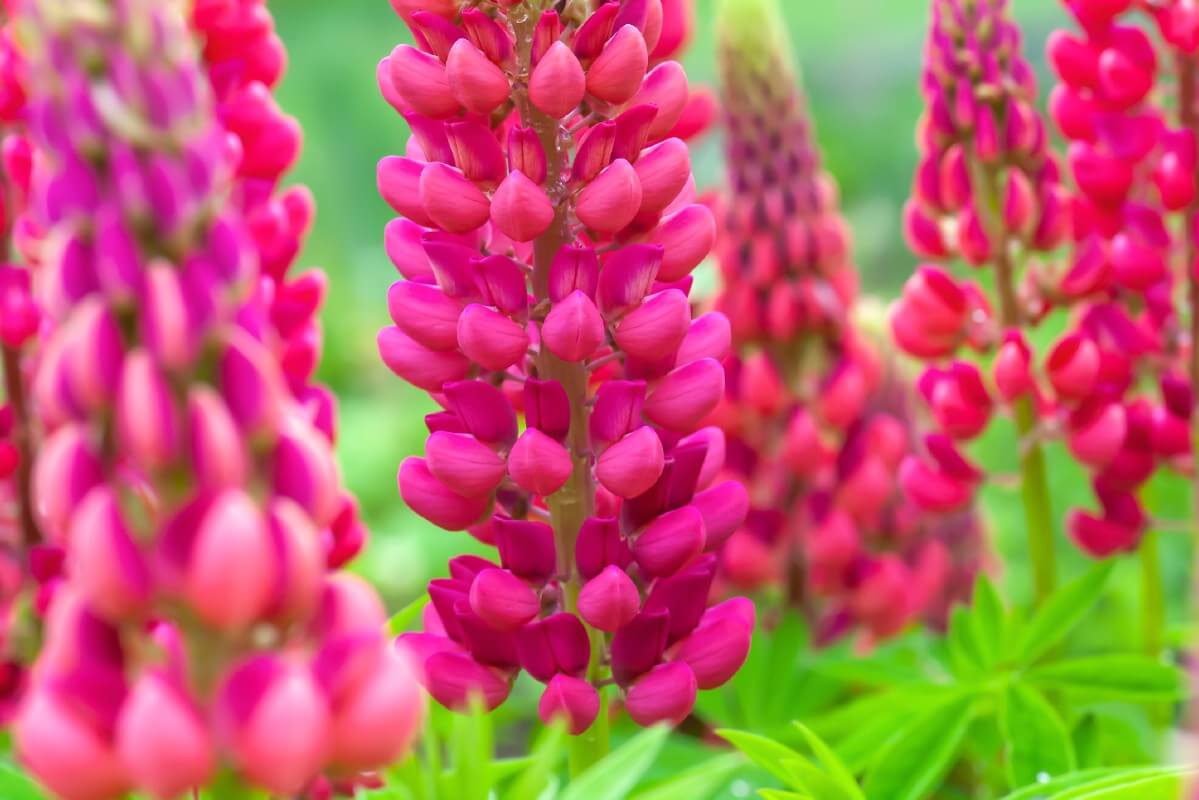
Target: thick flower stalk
{"x":547,"y":233}
{"x":245,"y":60}
{"x":199,"y":639}
{"x":816,"y":419}
{"x":986,"y":192}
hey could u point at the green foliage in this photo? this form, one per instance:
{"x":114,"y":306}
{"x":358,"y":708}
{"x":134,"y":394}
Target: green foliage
{"x":16,"y":785}
{"x":826,"y":778}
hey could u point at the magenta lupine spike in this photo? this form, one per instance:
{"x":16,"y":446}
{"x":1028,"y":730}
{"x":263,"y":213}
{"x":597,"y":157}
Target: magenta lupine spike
{"x":813,"y":421}
{"x":544,"y":284}
{"x":187,"y":483}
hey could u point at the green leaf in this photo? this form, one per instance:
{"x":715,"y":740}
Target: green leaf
{"x":966,"y":657}
{"x":544,"y":761}
{"x":403,"y":620}
{"x":837,"y":770}
{"x":614,"y":776}
{"x":807,"y":777}
{"x":697,"y":783}
{"x":769,"y":677}
{"x":1162,"y":784}
{"x":1040,"y":791}
{"x":1064,"y":609}
{"x":987,"y":619}
{"x":779,"y":794}
{"x":915,"y":762}
{"x":766,"y":753}
{"x":1036,"y":739}
{"x":1119,"y":677}
{"x":471,"y":742}
{"x":16,"y":785}
{"x":1086,"y":738}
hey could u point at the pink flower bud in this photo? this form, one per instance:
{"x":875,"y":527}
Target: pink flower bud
{"x":487,"y":35}
{"x":379,"y":720}
{"x":424,"y":368}
{"x":686,"y":237}
{"x":557,"y":84}
{"x":555,"y":645}
{"x":399,"y":182}
{"x":476,"y":152}
{"x":957,"y":398}
{"x":630,"y":466}
{"x":501,"y":283}
{"x":422,"y":82}
{"x":708,"y":336}
{"x":686,"y":395}
{"x":1104,"y":178}
{"x":483,"y":409}
{"x":573,"y":329}
{"x":627,"y":277}
{"x":105,"y":560}
{"x":250,"y":383}
{"x":665,"y":694}
{"x":402,"y":240}
{"x":231,"y":568}
{"x":665,"y":87}
{"x":974,"y":244}
{"x":610,"y":201}
{"x":94,"y":355}
{"x":591,"y":36}
{"x":655,"y":329}
{"x":610,"y":600}
{"x":425,"y":313}
{"x":303,"y":469}
{"x":1136,"y":264}
{"x":454,"y":679}
{"x":1012,"y":369}
{"x":663,"y":171}
{"x":503,"y":600}
{"x":147,"y":424}
{"x":65,"y":752}
{"x":670,"y":541}
{"x":1097,"y":431}
{"x":573,"y":269}
{"x":452,"y":201}
{"x":1019,"y":203}
{"x":804,"y":448}
{"x":547,"y":408}
{"x":1119,"y":529}
{"x":617,"y":410}
{"x":65,"y":471}
{"x":723,"y":508}
{"x":599,"y":545}
{"x":435,"y":501}
{"x":616,"y":75}
{"x":1073,"y":366}
{"x":761,"y":385}
{"x":526,"y":548}
{"x":278,"y":722}
{"x":475,"y":81}
{"x":526,"y":154}
{"x":490,"y":338}
{"x":520,"y":208}
{"x":539,"y":464}
{"x":572,"y":698}
{"x":922,"y":233}
{"x":594,"y":151}
{"x":931,"y":489}
{"x":462,"y":461}
{"x":716,"y":649}
{"x":162,"y":741}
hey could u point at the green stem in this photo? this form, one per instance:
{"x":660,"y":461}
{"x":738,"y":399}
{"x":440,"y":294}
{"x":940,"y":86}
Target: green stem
{"x":1153,"y":604}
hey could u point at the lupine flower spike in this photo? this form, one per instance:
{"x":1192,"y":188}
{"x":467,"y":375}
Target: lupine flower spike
{"x":199,"y":637}
{"x":546,"y":237}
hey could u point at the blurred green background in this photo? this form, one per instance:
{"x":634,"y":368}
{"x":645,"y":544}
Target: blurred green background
{"x":860,"y":61}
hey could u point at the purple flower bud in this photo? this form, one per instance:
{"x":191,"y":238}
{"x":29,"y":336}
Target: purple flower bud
{"x":594,"y":152}
{"x":639,"y":645}
{"x":617,"y":411}
{"x":526,"y":154}
{"x":147,"y":423}
{"x":484,"y":410}
{"x":573,"y":269}
{"x":627,"y":276}
{"x":684,"y":595}
{"x":547,"y":408}
{"x":572,"y":698}
{"x":107,"y":563}
{"x":556,"y":644}
{"x":503,"y":600}
{"x":599,"y":545}
{"x":573,"y":329}
{"x":716,"y":649}
{"x":708,"y":336}
{"x":490,"y":338}
{"x":454,"y":679}
{"x":488,"y":645}
{"x":526,"y":548}
{"x":666,"y":694}
{"x":656,"y":328}
{"x":501,"y":283}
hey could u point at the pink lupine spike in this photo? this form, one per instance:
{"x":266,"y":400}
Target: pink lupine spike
{"x":627,"y":276}
{"x":476,"y":152}
{"x":538,"y":463}
{"x":454,"y":679}
{"x":686,"y":236}
{"x":554,"y":645}
{"x":435,"y":501}
{"x":425,"y":313}
{"x":503,"y":600}
{"x":462,"y":461}
{"x":571,"y":698}
{"x":610,"y":201}
{"x":610,"y":600}
{"x":630,"y":466}
{"x":111,"y":570}
{"x":452,"y":201}
{"x":417,"y":364}
{"x":231,"y":568}
{"x":616,"y":74}
{"x":1072,"y":366}
{"x":520,"y":208}
{"x":500,"y":282}
{"x":162,"y":740}
{"x":663,"y":171}
{"x":490,"y":338}
{"x":399,"y":180}
{"x":557,"y":84}
{"x":147,"y":423}
{"x":600,"y":545}
{"x":526,"y":153}
{"x":633,"y":130}
{"x":637,"y":646}
{"x":594,"y":152}
{"x":547,"y":408}
{"x":484,"y":410}
{"x":670,"y":541}
{"x":573,"y":269}
{"x":421,"y":80}
{"x":716,"y":649}
{"x":708,"y":336}
{"x":64,"y":752}
{"x":723,"y":507}
{"x":686,"y":395}
{"x":617,"y":410}
{"x":573,"y":329}
{"x":475,"y":80}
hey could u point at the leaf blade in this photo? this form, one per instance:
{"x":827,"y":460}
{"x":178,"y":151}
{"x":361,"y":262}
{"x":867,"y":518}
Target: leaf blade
{"x":912,"y":766}
{"x":1037,"y":742}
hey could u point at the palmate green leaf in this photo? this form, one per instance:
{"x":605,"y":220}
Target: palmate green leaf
{"x":614,"y":776}
{"x":16,"y":785}
{"x":763,"y":751}
{"x":697,"y":783}
{"x":916,"y":760}
{"x":1064,"y":609}
{"x":1118,"y":677}
{"x":1036,"y":740}
{"x":837,"y":770}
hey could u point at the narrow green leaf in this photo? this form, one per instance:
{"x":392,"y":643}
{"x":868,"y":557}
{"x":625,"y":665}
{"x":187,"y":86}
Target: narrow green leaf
{"x":807,"y":777}
{"x":1064,"y":609}
{"x":1037,"y":743}
{"x":697,"y":783}
{"x":16,"y":785}
{"x":785,"y":644}
{"x":1040,"y":791}
{"x":766,"y":753}
{"x":404,"y":619}
{"x":916,"y":761}
{"x":987,"y":619}
{"x":613,"y":777}
{"x":544,"y":761}
{"x":779,"y":794}
{"x":471,"y":735}
{"x":828,"y":759}
{"x":1086,"y":739}
{"x":1120,"y":677}
{"x":1166,"y":784}
{"x":966,"y":657}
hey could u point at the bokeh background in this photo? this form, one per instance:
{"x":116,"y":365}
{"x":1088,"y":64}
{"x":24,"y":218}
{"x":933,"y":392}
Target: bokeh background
{"x":860,"y":60}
